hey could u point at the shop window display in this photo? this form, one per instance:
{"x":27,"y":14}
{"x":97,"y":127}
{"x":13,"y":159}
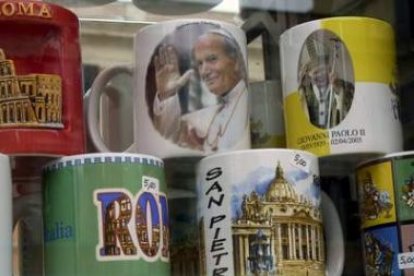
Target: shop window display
{"x":35,"y":79}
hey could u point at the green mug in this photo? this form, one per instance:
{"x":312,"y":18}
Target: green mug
{"x":106,"y":214}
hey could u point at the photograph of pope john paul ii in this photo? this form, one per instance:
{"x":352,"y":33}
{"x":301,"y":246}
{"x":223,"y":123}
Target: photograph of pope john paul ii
{"x":326,"y":79}
{"x":200,"y":99}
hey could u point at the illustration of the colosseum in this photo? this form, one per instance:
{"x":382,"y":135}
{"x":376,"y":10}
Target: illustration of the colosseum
{"x":33,"y":100}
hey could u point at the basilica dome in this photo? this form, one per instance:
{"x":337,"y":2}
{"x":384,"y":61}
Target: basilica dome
{"x":280,"y":189}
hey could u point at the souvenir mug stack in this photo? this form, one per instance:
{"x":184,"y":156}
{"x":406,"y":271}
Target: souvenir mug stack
{"x":187,"y":105}
{"x":233,"y":210}
{"x":341,"y":103}
{"x":41,"y":116}
{"x":77,"y":213}
{"x":243,"y":210}
{"x":191,"y":103}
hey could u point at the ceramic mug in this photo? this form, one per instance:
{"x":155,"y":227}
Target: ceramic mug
{"x":190,"y":89}
{"x":6,"y":258}
{"x":338,"y":77}
{"x":40,"y":80}
{"x":260,"y":211}
{"x":105,"y":213}
{"x":267,"y":127}
{"x":386,"y":199}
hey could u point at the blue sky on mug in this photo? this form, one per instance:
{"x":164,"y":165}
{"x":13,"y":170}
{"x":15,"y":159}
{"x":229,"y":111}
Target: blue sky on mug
{"x":259,"y":180}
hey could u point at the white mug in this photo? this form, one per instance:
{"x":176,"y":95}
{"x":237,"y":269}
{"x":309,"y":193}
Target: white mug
{"x":260,"y":211}
{"x":339,"y":88}
{"x":6,"y":217}
{"x":190,"y":90}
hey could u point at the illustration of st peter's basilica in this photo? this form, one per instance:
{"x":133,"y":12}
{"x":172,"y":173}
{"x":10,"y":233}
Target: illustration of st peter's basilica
{"x":278,"y":233}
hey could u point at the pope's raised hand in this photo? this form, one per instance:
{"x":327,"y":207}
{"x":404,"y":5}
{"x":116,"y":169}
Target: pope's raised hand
{"x":167,"y":73}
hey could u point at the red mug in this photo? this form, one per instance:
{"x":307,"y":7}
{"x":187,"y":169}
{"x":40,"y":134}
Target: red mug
{"x":40,"y":80}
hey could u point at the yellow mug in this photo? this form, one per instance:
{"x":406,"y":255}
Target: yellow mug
{"x":338,"y":78}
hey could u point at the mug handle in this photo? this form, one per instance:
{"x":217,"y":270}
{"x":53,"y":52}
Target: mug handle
{"x":93,"y":100}
{"x":335,"y":248}
{"x":27,"y":217}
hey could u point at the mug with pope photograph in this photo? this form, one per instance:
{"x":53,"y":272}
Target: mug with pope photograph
{"x":386,"y":201}
{"x":261,"y":211}
{"x":190,"y":90}
{"x":339,"y":86}
{"x":106,"y":214}
{"x":40,"y":80}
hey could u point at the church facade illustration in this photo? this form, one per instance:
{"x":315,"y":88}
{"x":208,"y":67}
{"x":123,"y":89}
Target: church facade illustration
{"x":33,"y":100}
{"x":278,"y":232}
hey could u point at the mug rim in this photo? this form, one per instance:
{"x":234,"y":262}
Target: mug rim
{"x":58,"y":19}
{"x":62,"y":9}
{"x":156,"y":161}
{"x":252,"y":151}
{"x":195,"y":7}
{"x":390,"y":156}
{"x":340,"y":19}
{"x":177,"y":22}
